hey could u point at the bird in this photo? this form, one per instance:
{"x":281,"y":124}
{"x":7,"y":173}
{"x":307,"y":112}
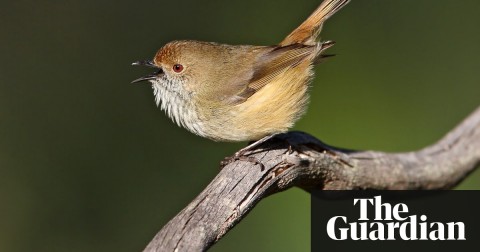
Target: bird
{"x":234,"y":93}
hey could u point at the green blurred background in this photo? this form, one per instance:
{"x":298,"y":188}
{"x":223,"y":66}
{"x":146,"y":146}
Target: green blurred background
{"x":88,"y":163}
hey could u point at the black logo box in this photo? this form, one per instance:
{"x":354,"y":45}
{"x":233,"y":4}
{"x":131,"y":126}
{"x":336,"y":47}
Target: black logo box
{"x":437,"y":206}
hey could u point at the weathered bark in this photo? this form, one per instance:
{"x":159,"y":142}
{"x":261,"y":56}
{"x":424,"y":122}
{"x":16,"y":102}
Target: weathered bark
{"x":298,"y":159}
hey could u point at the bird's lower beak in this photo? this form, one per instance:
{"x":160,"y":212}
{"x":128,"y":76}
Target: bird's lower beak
{"x":147,"y":63}
{"x":146,"y":78}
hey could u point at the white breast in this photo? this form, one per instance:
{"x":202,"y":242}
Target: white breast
{"x":178,"y":107}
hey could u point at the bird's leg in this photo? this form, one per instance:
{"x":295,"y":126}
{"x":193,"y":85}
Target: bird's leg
{"x":240,"y":155}
{"x":252,"y":145}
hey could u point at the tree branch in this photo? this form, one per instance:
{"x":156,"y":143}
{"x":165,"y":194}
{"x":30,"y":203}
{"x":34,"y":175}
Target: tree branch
{"x":298,"y":159}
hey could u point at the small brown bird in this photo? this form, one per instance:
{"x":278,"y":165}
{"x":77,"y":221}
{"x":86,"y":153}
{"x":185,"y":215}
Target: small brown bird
{"x":239,"y":92}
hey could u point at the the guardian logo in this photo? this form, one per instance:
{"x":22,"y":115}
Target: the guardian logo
{"x":391,"y":223}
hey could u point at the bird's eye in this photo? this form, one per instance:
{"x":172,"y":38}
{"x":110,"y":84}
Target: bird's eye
{"x":177,"y":68}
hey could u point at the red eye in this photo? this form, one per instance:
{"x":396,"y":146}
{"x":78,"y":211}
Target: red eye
{"x":177,"y":68}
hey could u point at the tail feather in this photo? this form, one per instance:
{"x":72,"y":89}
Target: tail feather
{"x":308,"y":31}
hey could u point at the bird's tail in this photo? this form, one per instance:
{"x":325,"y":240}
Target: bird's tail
{"x":308,"y":31}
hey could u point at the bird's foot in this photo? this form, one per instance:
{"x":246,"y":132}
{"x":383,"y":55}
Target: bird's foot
{"x":240,"y":156}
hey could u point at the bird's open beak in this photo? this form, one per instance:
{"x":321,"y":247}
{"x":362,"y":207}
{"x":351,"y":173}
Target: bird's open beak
{"x":147,"y":63}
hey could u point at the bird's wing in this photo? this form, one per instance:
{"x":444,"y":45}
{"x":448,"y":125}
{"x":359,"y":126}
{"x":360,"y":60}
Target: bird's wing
{"x":271,"y":64}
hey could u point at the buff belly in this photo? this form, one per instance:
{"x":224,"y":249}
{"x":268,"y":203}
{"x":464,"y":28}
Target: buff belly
{"x":273,"y":109}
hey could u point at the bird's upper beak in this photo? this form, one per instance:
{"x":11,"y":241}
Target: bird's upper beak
{"x":147,"y":63}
